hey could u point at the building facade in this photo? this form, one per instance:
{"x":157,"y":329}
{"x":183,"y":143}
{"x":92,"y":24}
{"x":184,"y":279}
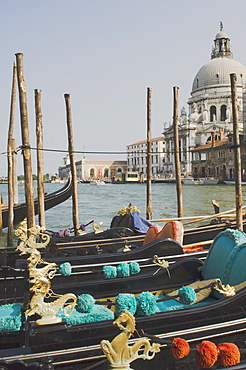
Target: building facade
{"x":89,"y":169}
{"x":210,"y":107}
{"x":137,"y":156}
{"x":216,"y":158}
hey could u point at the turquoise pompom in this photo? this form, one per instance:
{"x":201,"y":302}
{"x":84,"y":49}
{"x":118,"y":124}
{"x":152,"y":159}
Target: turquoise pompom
{"x":134,"y":268}
{"x":109,"y":272}
{"x":125,"y":301}
{"x":85,"y":303}
{"x":123,"y":270}
{"x":65,"y":269}
{"x":146,"y":304}
{"x":187,"y":295}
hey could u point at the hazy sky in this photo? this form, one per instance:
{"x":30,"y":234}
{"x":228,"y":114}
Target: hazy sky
{"x":105,"y":53}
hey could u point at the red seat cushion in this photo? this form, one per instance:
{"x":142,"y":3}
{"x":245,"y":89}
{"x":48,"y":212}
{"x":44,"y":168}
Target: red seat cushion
{"x":173,"y":230}
{"x":151,"y":234}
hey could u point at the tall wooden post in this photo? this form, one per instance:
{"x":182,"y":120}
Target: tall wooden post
{"x":176,"y":152}
{"x":72,"y":164}
{"x":40,"y":163}
{"x":10,"y":158}
{"x":237,"y":155}
{"x":15,"y":180}
{"x":149,"y":157}
{"x":25,"y":142}
{"x":1,"y":214}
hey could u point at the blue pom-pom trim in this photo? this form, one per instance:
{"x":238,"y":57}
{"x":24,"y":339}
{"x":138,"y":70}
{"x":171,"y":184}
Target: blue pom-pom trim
{"x":109,"y":272}
{"x":146,"y":304}
{"x":65,"y":269}
{"x":125,"y":301}
{"x":187,"y":295}
{"x":85,"y":303}
{"x":123,"y":270}
{"x":134,"y":268}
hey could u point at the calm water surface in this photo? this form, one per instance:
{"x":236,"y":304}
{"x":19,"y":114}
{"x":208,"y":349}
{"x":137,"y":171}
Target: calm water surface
{"x":101,"y":203}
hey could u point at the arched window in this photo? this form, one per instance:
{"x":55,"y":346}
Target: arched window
{"x":92,"y":172}
{"x":212,"y":113}
{"x":223,"y":112}
{"x":106,"y":172}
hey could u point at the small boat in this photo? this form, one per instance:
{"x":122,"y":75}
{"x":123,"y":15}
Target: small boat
{"x":232,"y":182}
{"x":84,"y":182}
{"x":210,"y":181}
{"x":97,"y":182}
{"x":50,"y":200}
{"x":192,"y":181}
{"x":197,"y":302}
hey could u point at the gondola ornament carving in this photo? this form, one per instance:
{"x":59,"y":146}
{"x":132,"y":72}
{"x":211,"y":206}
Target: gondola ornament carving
{"x":119,"y":353}
{"x":40,"y":273}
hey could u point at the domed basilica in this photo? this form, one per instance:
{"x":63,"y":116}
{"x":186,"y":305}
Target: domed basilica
{"x":210,"y":107}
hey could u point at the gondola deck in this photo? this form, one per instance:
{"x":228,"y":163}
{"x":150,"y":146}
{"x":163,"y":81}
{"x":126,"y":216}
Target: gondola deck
{"x":218,"y":319}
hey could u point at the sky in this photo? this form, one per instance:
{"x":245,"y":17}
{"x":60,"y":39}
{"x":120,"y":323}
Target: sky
{"x":105,"y":54}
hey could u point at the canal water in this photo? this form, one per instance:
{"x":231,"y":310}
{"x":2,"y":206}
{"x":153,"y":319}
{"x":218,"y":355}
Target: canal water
{"x":102,"y":202}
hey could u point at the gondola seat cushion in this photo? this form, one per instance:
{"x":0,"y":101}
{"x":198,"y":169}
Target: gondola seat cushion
{"x":226,"y":259}
{"x":151,"y":234}
{"x":98,"y":313}
{"x":172,"y":229}
{"x":10,"y":317}
{"x":220,"y":254}
{"x":235,"y":272}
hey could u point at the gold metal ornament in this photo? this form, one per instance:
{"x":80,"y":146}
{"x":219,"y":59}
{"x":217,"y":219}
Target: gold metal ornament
{"x":128,"y":209}
{"x":40,"y":273}
{"x":97,"y":227}
{"x":119,"y":353}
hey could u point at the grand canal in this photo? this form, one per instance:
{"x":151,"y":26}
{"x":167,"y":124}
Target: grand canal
{"x":101,"y":203}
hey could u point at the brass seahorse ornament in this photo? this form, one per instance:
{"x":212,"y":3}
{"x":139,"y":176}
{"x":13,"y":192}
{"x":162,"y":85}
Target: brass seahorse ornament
{"x":40,"y":273}
{"x":119,"y":353}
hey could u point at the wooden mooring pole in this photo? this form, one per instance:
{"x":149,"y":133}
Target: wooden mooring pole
{"x":72,"y":164}
{"x":10,"y":158}
{"x":237,"y":155}
{"x":149,"y":157}
{"x":40,"y":162}
{"x":15,"y":181}
{"x":25,"y":142}
{"x":176,"y":152}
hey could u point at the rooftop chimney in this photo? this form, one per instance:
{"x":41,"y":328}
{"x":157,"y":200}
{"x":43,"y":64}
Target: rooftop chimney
{"x":213,"y":138}
{"x":221,"y":133}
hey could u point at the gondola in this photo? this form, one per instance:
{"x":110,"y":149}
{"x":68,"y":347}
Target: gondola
{"x":211,"y":307}
{"x":50,"y":200}
{"x":119,"y":243}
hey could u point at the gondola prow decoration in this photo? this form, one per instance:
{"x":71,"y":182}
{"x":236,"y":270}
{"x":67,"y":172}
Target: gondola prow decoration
{"x":40,"y":273}
{"x":119,"y":353}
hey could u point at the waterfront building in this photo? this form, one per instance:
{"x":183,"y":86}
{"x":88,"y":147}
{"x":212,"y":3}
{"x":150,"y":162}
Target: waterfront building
{"x":90,"y":169}
{"x":216,"y":158}
{"x":137,"y":156}
{"x":209,"y":106}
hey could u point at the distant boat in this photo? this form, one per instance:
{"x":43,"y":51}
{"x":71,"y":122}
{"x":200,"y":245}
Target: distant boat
{"x":192,"y":181}
{"x":210,"y":181}
{"x":97,"y":182}
{"x":84,"y":182}
{"x":232,"y":182}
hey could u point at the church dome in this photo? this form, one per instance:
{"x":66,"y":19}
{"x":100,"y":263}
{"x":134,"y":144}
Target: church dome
{"x":222,"y":34}
{"x":217,"y":72}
